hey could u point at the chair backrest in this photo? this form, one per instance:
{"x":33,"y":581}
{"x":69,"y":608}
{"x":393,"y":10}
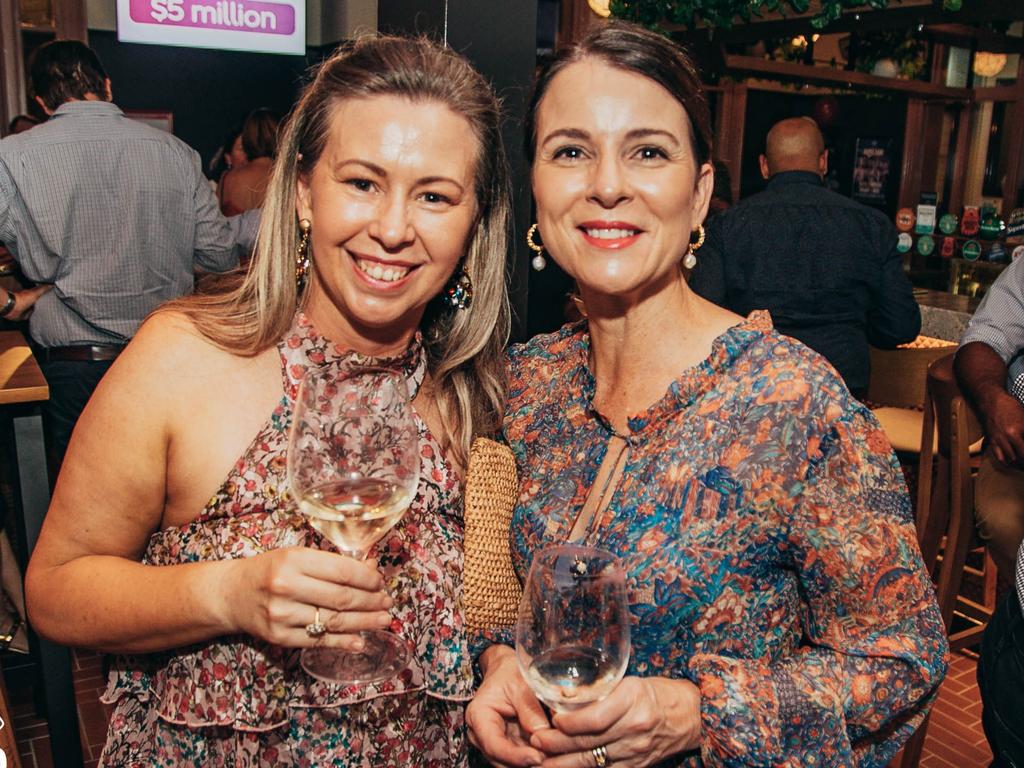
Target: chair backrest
{"x":955,"y":435}
{"x":946,"y":506}
{"x":898,"y":375}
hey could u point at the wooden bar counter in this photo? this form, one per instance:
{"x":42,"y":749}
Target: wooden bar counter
{"x":22,"y":391}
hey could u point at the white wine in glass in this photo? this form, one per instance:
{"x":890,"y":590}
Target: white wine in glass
{"x":572,"y":633}
{"x":353,"y":463}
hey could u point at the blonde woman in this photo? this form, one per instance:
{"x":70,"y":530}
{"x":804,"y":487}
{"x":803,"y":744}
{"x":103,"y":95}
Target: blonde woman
{"x":172,"y":539}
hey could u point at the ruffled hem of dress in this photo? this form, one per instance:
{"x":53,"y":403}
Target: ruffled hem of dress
{"x":112,"y":698}
{"x":180,"y":700}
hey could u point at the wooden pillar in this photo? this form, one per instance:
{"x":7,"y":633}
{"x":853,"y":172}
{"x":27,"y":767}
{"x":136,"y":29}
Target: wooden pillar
{"x":730,"y":112}
{"x":1015,"y":147}
{"x":69,"y":19}
{"x":955,"y":203}
{"x":501,"y":41}
{"x":577,"y":19}
{"x":913,"y":154}
{"x":12,"y":72}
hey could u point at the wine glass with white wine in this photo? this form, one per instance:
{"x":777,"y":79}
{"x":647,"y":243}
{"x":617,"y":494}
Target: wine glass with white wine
{"x":572,"y":633}
{"x":354,"y":465}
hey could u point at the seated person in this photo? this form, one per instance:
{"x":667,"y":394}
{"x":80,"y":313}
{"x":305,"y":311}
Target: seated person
{"x":991,"y":347}
{"x":242,"y":188}
{"x":781,"y":613}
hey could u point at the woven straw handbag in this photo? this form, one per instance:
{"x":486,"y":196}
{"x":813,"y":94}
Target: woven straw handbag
{"x":491,"y":589}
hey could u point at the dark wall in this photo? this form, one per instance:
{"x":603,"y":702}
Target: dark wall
{"x":207,"y":91}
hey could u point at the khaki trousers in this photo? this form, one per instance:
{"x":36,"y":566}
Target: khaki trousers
{"x":999,"y":510}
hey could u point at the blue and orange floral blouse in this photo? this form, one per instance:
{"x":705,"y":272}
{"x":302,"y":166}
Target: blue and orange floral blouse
{"x":767,"y":534}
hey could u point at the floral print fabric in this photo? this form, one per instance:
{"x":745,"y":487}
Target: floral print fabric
{"x":766,"y":531}
{"x":240,"y":702}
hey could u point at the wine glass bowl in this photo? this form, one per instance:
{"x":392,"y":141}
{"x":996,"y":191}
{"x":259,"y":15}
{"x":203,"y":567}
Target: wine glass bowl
{"x":353,"y":465}
{"x":573,"y":628}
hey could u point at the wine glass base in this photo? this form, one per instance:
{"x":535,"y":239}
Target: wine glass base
{"x":383,"y":657}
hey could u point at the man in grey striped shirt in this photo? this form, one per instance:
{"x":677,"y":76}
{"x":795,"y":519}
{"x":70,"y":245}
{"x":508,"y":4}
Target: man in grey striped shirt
{"x":990,"y":350}
{"x":113,"y":215}
{"x":990,"y":367}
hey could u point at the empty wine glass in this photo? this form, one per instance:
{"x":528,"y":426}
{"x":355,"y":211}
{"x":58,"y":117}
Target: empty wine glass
{"x":353,"y":463}
{"x":572,"y":633}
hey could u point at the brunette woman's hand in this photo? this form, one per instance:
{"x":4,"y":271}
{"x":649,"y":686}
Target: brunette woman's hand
{"x":504,"y":713}
{"x":275,"y":595}
{"x":642,"y":722}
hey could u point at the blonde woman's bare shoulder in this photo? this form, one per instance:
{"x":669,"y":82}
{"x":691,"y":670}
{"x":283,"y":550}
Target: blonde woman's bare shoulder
{"x":169,"y":359}
{"x":167,"y":343}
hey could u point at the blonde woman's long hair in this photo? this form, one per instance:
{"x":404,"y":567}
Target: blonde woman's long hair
{"x":465,"y":348}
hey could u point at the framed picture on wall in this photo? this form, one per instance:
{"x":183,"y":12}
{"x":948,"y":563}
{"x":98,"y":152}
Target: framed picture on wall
{"x":872,"y":162}
{"x":163,"y":121}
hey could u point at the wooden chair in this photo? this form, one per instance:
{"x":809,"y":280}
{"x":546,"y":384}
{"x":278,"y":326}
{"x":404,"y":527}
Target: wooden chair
{"x":945,"y":510}
{"x":896,"y":389}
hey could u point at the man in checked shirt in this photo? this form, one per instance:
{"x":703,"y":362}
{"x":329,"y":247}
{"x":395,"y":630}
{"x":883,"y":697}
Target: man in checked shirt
{"x":109,"y":218}
{"x":990,"y":367}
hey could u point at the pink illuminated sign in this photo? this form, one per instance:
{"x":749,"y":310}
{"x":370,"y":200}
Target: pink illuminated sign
{"x":235,"y":15}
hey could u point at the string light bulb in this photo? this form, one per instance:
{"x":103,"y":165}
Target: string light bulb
{"x":600,"y":7}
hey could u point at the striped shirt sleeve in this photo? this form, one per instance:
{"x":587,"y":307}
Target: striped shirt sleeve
{"x":999,"y":320}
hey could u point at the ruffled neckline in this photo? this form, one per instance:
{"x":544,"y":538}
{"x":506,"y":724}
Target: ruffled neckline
{"x":308,"y":348}
{"x":689,"y":386}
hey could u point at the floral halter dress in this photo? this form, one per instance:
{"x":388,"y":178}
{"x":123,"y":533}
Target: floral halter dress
{"x":238,"y":701}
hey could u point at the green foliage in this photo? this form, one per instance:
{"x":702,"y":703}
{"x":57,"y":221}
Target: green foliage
{"x":902,"y":46}
{"x":724,"y":13}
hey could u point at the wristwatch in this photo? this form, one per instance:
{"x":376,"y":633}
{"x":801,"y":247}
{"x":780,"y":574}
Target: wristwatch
{"x":9,"y":305}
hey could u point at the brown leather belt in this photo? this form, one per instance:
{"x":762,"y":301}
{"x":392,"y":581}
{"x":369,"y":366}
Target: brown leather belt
{"x":84,"y":353}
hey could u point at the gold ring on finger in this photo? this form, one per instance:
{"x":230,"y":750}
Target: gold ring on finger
{"x":600,"y":756}
{"x":316,"y":629}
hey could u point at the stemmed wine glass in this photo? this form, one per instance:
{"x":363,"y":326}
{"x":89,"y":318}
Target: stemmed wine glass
{"x":354,"y":465}
{"x":572,"y":633}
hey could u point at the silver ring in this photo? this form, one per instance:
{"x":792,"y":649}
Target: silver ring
{"x":316,"y":629}
{"x":600,"y":756}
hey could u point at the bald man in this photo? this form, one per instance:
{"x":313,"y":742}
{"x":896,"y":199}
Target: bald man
{"x":824,"y":266}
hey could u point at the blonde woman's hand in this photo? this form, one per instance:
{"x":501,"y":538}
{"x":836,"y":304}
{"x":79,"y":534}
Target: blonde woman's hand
{"x":504,"y":713}
{"x":275,"y":595}
{"x":642,"y":722}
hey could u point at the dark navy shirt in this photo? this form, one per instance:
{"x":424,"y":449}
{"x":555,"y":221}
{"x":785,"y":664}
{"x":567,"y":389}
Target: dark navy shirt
{"x":824,"y":266}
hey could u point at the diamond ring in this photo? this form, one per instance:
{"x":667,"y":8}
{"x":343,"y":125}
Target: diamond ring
{"x":317,"y":629}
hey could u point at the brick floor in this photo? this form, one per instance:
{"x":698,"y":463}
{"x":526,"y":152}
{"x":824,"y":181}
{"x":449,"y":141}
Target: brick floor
{"x":955,"y":738}
{"x":31,"y":731}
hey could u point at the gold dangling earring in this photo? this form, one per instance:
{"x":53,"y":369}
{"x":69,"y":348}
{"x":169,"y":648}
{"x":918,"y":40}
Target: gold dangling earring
{"x":690,"y":259}
{"x":538,"y":262}
{"x":302,"y":256}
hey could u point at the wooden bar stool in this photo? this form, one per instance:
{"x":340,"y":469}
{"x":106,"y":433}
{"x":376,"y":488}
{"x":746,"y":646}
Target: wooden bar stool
{"x":950,"y":434}
{"x":896,"y":388}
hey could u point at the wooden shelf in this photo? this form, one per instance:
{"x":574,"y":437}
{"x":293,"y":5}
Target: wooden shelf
{"x":844,"y":78}
{"x":998,"y":266}
{"x":965,"y":35}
